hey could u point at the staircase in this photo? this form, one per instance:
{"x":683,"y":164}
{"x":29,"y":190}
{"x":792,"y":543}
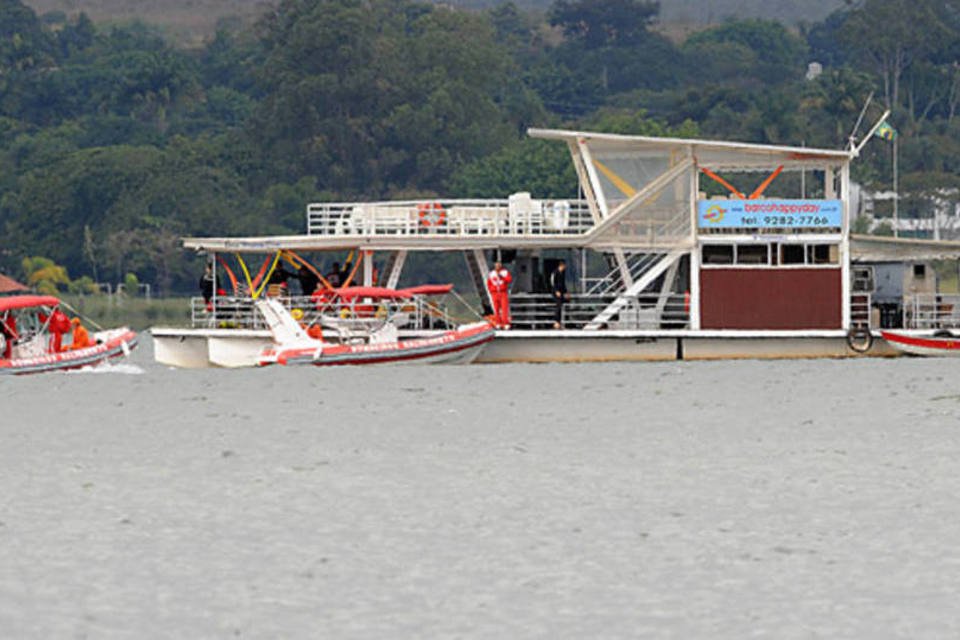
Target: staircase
{"x":650,"y":267}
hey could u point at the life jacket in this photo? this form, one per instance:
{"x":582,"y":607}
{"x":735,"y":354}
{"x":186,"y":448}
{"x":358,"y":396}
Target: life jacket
{"x":81,"y":339}
{"x":59,"y":322}
{"x":499,"y":281}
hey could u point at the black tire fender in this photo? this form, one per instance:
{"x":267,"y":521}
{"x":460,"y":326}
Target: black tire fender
{"x":860,"y":340}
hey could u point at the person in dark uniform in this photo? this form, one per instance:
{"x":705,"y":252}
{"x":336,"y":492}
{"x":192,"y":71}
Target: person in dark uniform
{"x":334,"y":276}
{"x":308,"y":280}
{"x":206,"y":285}
{"x":277,"y":283}
{"x":558,"y":287}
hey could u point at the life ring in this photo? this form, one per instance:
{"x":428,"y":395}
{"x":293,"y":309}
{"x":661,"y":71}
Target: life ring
{"x":860,"y":340}
{"x":431,"y":214}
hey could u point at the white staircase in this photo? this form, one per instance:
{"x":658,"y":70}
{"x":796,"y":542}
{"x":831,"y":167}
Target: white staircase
{"x":654,"y":266}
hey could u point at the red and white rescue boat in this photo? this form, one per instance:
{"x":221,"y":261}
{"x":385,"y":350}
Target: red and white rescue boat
{"x":293,"y":345}
{"x":28,"y":343}
{"x":941,"y":343}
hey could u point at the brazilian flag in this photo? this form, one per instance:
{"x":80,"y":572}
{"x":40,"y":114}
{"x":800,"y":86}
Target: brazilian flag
{"x":886,"y":131}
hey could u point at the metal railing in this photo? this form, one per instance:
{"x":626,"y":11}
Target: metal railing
{"x":644,"y":311}
{"x":227,"y":312}
{"x":931,"y":311}
{"x":638,"y":263}
{"x":652,"y":229}
{"x":526,"y":217}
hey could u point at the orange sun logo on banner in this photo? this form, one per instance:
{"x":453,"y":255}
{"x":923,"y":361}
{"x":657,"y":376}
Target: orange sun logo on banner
{"x":714,"y":214}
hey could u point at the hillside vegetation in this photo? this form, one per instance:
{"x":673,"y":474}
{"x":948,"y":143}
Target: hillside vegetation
{"x":114,"y":143}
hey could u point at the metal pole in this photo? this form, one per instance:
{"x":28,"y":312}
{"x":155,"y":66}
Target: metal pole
{"x":583,"y":270}
{"x":896,"y":194}
{"x":213,"y":261}
{"x":803,"y":175}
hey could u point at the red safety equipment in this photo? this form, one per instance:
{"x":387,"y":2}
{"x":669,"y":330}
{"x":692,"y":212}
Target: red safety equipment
{"x":498,"y":284}
{"x":8,"y":328}
{"x":431,"y":214}
{"x":59,"y":325}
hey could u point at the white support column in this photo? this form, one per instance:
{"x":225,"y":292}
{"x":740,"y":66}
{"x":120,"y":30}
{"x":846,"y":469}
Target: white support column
{"x":484,"y":268}
{"x":695,"y":253}
{"x":367,"y":268}
{"x":584,"y":181}
{"x":695,"y":288}
{"x":594,"y":178}
{"x":845,"y":313}
{"x":393,"y":278}
{"x":829,"y":184}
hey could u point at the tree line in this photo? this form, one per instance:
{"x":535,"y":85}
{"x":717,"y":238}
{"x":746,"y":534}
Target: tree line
{"x":114,"y":143}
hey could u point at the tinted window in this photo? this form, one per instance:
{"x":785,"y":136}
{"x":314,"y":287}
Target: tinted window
{"x":718,"y":254}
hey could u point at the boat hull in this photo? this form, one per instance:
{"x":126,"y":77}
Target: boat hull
{"x":112,"y":344}
{"x":190,"y":347}
{"x":923,"y":345}
{"x":453,"y":347}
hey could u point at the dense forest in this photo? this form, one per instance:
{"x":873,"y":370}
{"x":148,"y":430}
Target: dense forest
{"x":114,"y":142}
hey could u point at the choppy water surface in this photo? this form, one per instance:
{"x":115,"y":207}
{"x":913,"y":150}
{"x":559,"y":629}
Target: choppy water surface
{"x":792,"y":499}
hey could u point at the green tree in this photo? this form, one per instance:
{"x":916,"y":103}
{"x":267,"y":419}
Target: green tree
{"x":380,"y":96}
{"x":597,"y":23}
{"x":24,"y":43}
{"x":542,"y":167}
{"x":762,"y":49}
{"x":890,"y":35}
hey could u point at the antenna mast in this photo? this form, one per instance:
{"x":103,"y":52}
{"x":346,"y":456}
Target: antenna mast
{"x":856,"y":127}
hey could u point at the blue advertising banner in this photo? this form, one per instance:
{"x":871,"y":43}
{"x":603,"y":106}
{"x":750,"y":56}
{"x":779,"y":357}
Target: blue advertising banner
{"x":766,"y":214}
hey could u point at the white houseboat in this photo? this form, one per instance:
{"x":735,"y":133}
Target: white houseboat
{"x":678,"y":249}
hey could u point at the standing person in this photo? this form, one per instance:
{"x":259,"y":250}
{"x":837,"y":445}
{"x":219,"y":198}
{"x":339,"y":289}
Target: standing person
{"x":59,"y":324}
{"x":308,"y":280}
{"x":498,"y":284}
{"x":206,"y":286}
{"x":334,"y":276}
{"x":558,"y":285}
{"x":8,"y":329}
{"x":277,"y":282}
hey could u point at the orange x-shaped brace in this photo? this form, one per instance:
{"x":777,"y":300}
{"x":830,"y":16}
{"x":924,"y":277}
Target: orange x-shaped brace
{"x":757,"y":193}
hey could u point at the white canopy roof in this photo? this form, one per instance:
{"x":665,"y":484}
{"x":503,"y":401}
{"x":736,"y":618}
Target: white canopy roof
{"x":749,"y":149}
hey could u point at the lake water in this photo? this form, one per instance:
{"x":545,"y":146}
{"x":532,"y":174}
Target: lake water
{"x":778,"y":499}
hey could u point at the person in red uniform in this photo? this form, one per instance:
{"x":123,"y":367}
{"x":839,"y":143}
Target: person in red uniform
{"x":498,"y":283}
{"x":59,"y":325}
{"x":8,"y":328}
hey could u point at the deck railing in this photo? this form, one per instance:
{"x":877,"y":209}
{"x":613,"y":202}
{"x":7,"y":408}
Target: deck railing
{"x":529,"y":311}
{"x":643,"y":312}
{"x":931,"y":311}
{"x":512,"y":217}
{"x":240,"y":313}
